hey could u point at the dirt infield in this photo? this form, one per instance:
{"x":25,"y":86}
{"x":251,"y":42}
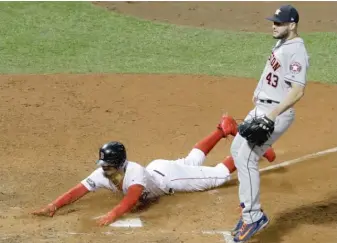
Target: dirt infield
{"x":243,"y":16}
{"x":53,"y":125}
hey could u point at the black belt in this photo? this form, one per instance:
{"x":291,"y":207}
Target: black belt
{"x":269,"y":101}
{"x":158,"y":172}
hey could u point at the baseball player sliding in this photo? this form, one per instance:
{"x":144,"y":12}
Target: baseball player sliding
{"x":160,"y":177}
{"x":281,"y":86}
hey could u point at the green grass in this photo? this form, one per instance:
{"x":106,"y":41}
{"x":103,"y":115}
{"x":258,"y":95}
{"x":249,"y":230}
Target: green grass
{"x":77,"y":37}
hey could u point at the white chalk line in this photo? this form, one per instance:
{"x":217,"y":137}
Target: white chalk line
{"x":300,"y":159}
{"x":228,"y":238}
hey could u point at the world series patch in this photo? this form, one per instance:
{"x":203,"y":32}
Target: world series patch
{"x":91,"y":183}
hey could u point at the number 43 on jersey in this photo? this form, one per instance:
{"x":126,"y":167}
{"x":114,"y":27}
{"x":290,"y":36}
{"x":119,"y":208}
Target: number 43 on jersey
{"x":272,"y":79}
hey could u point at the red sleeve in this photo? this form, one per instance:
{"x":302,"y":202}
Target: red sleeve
{"x":70,"y":196}
{"x":128,"y":202}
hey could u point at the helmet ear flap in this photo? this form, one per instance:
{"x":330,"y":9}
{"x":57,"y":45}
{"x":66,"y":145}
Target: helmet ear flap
{"x":101,"y":154}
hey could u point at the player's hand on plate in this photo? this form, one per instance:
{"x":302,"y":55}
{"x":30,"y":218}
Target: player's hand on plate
{"x":106,"y":220}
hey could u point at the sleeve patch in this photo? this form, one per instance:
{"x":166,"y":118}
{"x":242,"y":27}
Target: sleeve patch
{"x":91,"y":183}
{"x":295,"y":67}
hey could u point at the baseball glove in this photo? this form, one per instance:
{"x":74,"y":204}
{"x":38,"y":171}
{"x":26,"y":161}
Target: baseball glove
{"x":257,"y":130}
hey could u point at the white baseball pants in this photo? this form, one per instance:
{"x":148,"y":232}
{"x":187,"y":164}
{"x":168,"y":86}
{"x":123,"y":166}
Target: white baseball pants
{"x":188,"y":174}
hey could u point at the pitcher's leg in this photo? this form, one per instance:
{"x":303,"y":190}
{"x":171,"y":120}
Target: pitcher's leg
{"x":246,"y":161}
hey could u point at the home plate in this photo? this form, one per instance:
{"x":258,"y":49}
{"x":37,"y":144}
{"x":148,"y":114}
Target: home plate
{"x":126,"y":223}
{"x":130,"y":223}
{"x":228,"y":238}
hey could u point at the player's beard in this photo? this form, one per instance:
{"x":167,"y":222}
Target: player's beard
{"x":116,"y":177}
{"x":282,"y":36}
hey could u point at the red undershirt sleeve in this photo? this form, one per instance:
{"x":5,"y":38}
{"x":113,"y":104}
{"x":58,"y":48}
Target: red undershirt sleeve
{"x":70,"y":196}
{"x":128,"y":202}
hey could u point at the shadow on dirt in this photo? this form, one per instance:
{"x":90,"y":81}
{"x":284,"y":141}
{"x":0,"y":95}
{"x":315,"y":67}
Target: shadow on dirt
{"x":318,"y":213}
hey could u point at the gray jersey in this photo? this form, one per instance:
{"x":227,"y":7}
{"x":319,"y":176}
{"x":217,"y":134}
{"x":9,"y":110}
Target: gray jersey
{"x":287,"y":64}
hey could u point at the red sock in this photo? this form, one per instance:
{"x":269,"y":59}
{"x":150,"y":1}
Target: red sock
{"x":270,"y":154}
{"x":207,"y":143}
{"x":229,"y":163}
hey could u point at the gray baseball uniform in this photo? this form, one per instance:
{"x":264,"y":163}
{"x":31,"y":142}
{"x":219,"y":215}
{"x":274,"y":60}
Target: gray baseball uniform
{"x":286,"y":65}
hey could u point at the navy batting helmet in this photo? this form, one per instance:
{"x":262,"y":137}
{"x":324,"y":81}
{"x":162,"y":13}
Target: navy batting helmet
{"x":112,"y":154}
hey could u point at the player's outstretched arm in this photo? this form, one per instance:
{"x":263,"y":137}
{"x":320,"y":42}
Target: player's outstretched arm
{"x":129,"y":201}
{"x":295,"y":94}
{"x":70,"y":196}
